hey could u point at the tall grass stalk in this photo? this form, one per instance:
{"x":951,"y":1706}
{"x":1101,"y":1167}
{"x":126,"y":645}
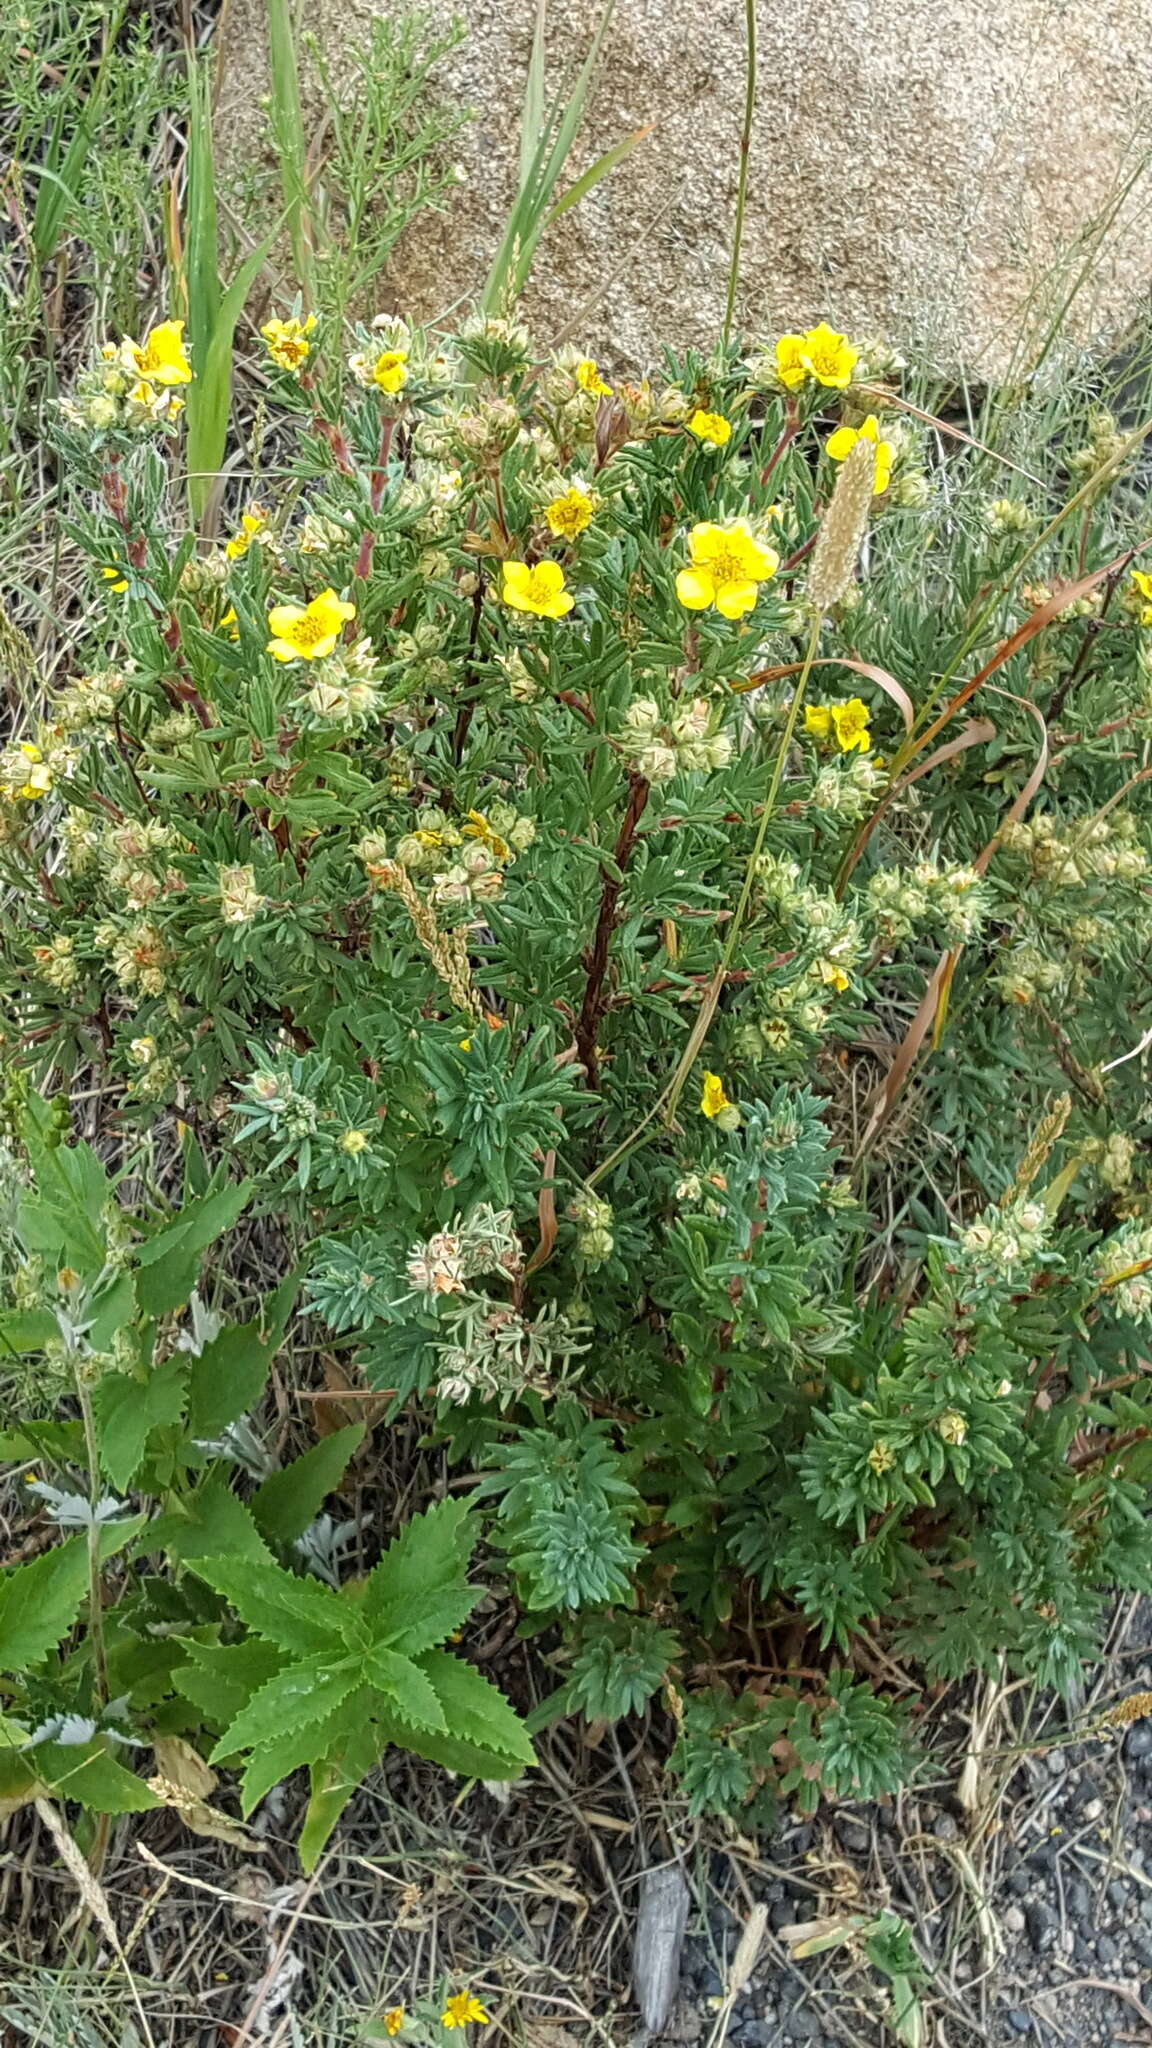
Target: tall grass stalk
{"x":548,"y":130}
{"x":745,"y":149}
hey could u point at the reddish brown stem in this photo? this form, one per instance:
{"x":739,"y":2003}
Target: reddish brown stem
{"x":376,"y":493}
{"x":595,"y":1001}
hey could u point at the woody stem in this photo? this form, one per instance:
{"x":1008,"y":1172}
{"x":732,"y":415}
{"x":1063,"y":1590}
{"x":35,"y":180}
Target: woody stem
{"x":595,"y":1001}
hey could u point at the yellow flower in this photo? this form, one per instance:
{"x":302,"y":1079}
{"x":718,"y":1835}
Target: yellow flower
{"x":850,"y":725}
{"x":712,"y":1096}
{"x":818,"y":720}
{"x":459,"y":2010}
{"x":229,"y":623}
{"x":589,"y":379}
{"x":569,"y":514}
{"x":162,"y":359}
{"x":116,"y":580}
{"x":952,"y":1427}
{"x":727,"y":564}
{"x":479,"y":828}
{"x":820,"y":353}
{"x":390,"y":371}
{"x":710,"y":426}
{"x":287,"y":341}
{"x":1143,"y":586}
{"x":394,"y":2019}
{"x":353,"y":1142}
{"x":253,"y":526}
{"x":832,"y":975}
{"x":842,"y":442}
{"x":39,"y":780}
{"x":539,"y":590}
{"x":308,"y":632}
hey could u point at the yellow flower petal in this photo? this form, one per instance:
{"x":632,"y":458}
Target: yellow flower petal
{"x":712,"y":1096}
{"x":734,"y":600}
{"x":695,"y":589}
{"x":841,"y":443}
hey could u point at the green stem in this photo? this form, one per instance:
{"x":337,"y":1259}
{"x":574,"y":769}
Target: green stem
{"x":670,"y":1095}
{"x":745,"y":150}
{"x":95,"y":1588}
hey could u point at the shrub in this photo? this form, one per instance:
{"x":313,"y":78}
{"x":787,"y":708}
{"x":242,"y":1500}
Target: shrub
{"x":647,"y":882}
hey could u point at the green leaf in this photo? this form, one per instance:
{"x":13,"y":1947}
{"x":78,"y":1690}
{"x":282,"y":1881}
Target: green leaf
{"x":169,"y":1262}
{"x":299,"y":1614}
{"x":293,"y":1497}
{"x":127,"y":1410}
{"x":450,"y":1751}
{"x":418,"y":1593}
{"x":220,"y":1678}
{"x":39,"y":1602}
{"x":310,"y":1744}
{"x":227,"y":1378}
{"x":333,"y":1783}
{"x":112,"y":1310}
{"x":210,"y":1522}
{"x":72,"y":1190}
{"x":308,"y":1690}
{"x":91,"y":1774}
{"x":52,"y":1441}
{"x":476,"y":1712}
{"x":27,"y":1329}
{"x":407,"y":1689}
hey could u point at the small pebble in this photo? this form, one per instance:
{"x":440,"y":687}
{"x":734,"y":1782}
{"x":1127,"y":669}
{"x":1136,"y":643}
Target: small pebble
{"x":1106,"y":1949}
{"x":1138,"y":1742}
{"x":1014,"y":1919}
{"x":802,"y":2025}
{"x":945,"y":1828}
{"x":1041,"y":1924}
{"x":1118,"y":1893}
{"x":1057,"y":1762}
{"x":1066,"y":1941}
{"x":1092,"y":1809}
{"x":1019,"y":2021}
{"x":1020,"y":1884}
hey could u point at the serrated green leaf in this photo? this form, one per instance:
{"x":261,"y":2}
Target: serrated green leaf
{"x":452,"y":1752}
{"x":227,"y":1378}
{"x":475,"y":1711}
{"x":91,"y":1774}
{"x":127,"y":1410}
{"x":407,"y":1689}
{"x":300,"y":1614}
{"x":220,"y":1678}
{"x":72,"y":1189}
{"x":309,"y":1689}
{"x":418,"y":1592}
{"x":211,"y":1522}
{"x":40,"y":1601}
{"x":285,"y":1504}
{"x":169,"y":1262}
{"x":309,"y":1744}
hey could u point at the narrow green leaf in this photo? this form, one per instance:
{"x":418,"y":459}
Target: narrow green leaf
{"x":310,"y":1744}
{"x":307,"y":1690}
{"x":299,"y":1614}
{"x":285,"y":1504}
{"x":476,"y":1712}
{"x":600,"y":169}
{"x":418,"y":1592}
{"x":221,"y":1678}
{"x":407,"y":1688}
{"x":333,"y":1783}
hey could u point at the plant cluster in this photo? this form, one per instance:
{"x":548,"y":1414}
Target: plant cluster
{"x":650,"y":889}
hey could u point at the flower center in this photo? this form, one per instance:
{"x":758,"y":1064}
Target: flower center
{"x":728,"y":567}
{"x":307,"y":631}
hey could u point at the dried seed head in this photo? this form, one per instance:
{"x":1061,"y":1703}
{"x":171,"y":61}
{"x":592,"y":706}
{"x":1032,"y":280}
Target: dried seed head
{"x":1134,"y":1708}
{"x":843,"y":527}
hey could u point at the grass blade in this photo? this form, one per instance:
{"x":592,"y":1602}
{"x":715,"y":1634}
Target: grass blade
{"x":288,"y":137}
